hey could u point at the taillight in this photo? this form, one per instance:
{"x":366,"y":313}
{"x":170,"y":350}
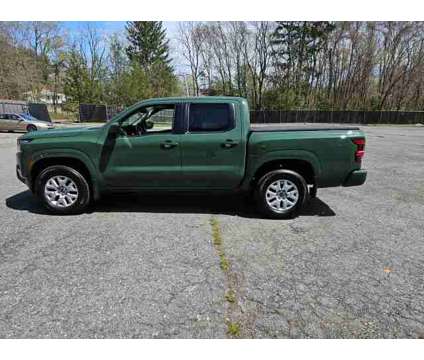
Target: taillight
{"x":360,"y":148}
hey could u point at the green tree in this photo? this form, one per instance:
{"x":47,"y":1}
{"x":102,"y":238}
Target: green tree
{"x":150,"y":73}
{"x":77,"y":79}
{"x":118,"y":67}
{"x":137,"y":83}
{"x":147,"y":43}
{"x":297,"y":45}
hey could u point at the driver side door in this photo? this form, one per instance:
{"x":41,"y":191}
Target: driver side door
{"x":149,"y":160}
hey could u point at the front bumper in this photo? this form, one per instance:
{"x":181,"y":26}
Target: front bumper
{"x":19,"y":174}
{"x":355,"y":178}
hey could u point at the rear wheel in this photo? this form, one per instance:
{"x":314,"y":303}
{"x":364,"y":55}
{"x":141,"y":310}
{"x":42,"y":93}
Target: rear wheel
{"x":31,"y":128}
{"x":63,"y":190}
{"x":281,"y":194}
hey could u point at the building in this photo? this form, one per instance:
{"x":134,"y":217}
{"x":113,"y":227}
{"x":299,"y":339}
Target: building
{"x":47,"y":97}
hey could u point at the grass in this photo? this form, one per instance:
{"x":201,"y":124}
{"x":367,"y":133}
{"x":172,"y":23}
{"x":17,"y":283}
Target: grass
{"x":216,"y":233}
{"x":230,"y":296}
{"x":233,"y":329}
{"x":64,"y":116}
{"x":217,"y":242}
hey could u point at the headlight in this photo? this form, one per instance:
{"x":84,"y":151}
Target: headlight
{"x":19,"y":142}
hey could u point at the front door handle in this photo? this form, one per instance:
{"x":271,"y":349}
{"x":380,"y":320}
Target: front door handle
{"x":229,"y":143}
{"x":168,"y":144}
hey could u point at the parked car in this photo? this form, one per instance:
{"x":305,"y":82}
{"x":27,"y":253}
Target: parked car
{"x":22,"y":122}
{"x":190,"y":144}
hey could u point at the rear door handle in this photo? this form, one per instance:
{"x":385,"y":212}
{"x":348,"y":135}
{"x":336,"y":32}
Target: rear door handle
{"x":229,"y":143}
{"x":168,"y":144}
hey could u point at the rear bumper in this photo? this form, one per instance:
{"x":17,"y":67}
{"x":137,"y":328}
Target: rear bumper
{"x":355,"y":178}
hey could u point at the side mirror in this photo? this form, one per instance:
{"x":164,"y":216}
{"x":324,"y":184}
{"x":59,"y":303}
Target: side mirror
{"x":114,"y":129}
{"x":149,"y":125}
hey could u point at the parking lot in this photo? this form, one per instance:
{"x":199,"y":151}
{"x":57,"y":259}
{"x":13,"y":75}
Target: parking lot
{"x":352,"y":265}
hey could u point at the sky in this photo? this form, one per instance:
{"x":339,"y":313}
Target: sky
{"x":110,"y":27}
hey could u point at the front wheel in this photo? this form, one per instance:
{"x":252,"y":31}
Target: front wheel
{"x":63,"y":190}
{"x":281,"y":194}
{"x":31,"y":128}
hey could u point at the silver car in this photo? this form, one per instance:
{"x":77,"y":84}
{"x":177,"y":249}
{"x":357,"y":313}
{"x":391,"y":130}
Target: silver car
{"x":22,"y":122}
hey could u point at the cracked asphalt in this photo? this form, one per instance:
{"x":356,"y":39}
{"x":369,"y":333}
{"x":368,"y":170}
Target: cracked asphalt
{"x":351,"y":266}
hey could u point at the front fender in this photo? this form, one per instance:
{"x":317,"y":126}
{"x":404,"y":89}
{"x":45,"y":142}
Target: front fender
{"x":68,"y":153}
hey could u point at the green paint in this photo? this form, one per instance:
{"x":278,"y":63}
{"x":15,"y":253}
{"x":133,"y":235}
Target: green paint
{"x":199,"y":161}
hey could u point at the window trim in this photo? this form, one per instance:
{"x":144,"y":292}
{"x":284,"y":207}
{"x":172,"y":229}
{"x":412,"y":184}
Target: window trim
{"x":231,"y":113}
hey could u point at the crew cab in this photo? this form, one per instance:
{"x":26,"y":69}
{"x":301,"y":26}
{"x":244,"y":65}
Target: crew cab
{"x":189,"y":144}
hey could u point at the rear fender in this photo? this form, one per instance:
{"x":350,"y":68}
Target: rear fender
{"x":257,"y":161}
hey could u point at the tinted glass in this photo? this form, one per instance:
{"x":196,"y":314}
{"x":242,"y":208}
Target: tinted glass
{"x":210,"y":117}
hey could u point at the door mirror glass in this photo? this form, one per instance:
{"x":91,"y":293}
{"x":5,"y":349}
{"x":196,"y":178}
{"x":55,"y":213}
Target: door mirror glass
{"x":114,"y":129}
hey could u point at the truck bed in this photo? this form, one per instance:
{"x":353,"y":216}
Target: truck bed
{"x":328,"y":147}
{"x":287,"y":127}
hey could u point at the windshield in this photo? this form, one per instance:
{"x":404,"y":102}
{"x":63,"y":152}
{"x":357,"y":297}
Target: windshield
{"x":29,"y":117}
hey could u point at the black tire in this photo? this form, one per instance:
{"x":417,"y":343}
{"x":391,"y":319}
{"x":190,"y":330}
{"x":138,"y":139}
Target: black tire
{"x":31,"y":128}
{"x":272,"y":177}
{"x":313,"y":192}
{"x":83,"y":197}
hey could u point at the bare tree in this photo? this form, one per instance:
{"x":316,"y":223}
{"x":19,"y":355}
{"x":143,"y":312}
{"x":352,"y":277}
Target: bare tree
{"x":190,"y":37}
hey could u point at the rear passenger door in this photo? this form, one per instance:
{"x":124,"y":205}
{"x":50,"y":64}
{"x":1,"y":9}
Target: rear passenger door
{"x":212,"y":153}
{"x":14,"y":121}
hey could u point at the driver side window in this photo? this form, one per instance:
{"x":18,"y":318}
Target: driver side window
{"x":161,"y":120}
{"x":150,"y":120}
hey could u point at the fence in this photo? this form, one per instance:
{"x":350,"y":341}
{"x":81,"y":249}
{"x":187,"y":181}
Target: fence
{"x":12,"y":106}
{"x":93,"y":112}
{"x":37,"y":110}
{"x":340,"y":117}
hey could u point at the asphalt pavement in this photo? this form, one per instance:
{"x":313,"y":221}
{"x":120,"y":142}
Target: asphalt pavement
{"x":350,"y":266}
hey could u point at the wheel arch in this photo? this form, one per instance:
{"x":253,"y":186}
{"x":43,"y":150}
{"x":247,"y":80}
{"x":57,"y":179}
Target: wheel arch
{"x":71,"y":161}
{"x":29,"y":126}
{"x":300,"y":166}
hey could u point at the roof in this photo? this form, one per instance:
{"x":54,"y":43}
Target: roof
{"x":195,"y":99}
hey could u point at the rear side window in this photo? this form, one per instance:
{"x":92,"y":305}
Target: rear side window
{"x":210,"y":117}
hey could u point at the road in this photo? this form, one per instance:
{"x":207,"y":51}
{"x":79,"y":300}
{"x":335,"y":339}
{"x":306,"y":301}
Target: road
{"x":352,"y":265}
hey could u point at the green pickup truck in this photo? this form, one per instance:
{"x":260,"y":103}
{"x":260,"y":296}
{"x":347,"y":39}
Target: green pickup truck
{"x":189,"y":144}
